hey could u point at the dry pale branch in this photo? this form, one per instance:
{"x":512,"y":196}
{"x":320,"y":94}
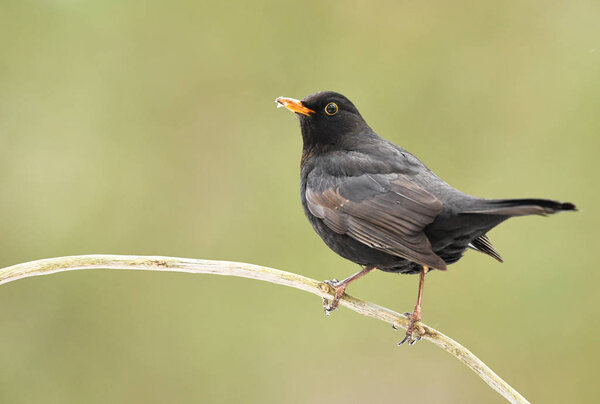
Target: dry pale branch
{"x":196,"y":266}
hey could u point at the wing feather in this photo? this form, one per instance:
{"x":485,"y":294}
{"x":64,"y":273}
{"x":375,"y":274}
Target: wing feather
{"x":383,"y":211}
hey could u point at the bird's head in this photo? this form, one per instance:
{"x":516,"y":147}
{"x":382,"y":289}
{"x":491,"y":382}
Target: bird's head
{"x":327,"y":119}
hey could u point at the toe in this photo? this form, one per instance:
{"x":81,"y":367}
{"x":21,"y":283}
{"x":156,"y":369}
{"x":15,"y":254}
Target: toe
{"x":406,"y":338}
{"x":333,"y":283}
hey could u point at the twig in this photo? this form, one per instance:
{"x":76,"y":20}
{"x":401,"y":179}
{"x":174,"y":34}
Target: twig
{"x":171,"y":264}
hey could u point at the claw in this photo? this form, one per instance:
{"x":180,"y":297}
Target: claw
{"x":340,"y":287}
{"x":326,"y":305}
{"x":333,"y":283}
{"x":415,"y":328}
{"x":339,"y":291}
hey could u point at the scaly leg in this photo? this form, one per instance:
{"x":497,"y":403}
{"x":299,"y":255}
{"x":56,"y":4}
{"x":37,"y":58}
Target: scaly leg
{"x":416,"y":314}
{"x":340,"y":288}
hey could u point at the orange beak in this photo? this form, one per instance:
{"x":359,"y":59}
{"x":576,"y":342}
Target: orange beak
{"x":293,"y":105}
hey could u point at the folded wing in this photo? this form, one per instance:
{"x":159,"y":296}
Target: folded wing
{"x":383,"y":211}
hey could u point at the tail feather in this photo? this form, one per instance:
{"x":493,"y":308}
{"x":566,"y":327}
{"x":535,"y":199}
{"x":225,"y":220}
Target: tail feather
{"x":484,"y":245}
{"x":519,"y":207}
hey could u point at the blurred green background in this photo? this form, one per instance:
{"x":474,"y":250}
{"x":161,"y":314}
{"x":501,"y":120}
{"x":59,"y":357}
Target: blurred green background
{"x":133,"y":127}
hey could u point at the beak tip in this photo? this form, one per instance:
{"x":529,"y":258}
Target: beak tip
{"x":293,"y":105}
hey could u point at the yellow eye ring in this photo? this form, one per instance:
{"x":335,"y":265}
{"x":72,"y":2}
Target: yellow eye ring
{"x":331,"y":108}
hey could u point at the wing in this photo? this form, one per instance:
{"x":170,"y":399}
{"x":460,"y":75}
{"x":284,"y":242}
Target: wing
{"x":387,"y":212}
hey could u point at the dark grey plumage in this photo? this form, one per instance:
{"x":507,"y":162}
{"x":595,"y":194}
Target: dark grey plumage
{"x":376,"y":204}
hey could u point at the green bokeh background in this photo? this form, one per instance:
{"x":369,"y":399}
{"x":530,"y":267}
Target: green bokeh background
{"x":149,"y":128}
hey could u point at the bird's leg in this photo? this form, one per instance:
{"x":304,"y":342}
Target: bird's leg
{"x":415,"y":316}
{"x":340,"y":288}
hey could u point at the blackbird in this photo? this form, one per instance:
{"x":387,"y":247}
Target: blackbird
{"x":375,"y":204}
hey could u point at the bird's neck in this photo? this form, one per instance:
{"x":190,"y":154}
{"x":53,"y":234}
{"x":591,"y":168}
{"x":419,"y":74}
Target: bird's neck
{"x":349,"y":141}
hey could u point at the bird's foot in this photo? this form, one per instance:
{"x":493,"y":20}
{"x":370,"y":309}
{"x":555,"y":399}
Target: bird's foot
{"x":415,"y":331}
{"x":339,"y":288}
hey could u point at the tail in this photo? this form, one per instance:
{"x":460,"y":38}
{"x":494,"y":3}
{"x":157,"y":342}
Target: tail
{"x":519,"y":207}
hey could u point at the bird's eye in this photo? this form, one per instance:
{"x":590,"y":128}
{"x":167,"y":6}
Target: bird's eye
{"x":331,"y":108}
